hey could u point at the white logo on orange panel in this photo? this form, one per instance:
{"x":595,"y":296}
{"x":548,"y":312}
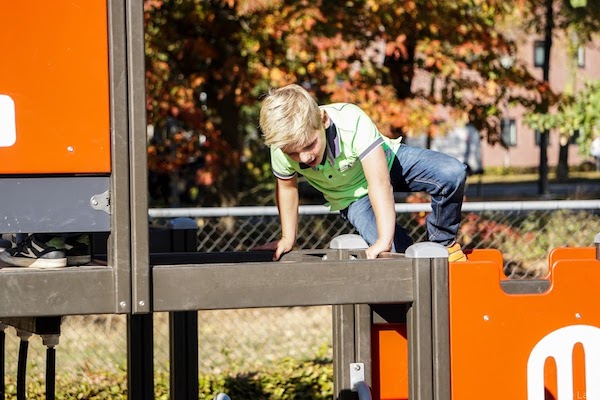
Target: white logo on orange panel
{"x":8,"y":129}
{"x":559,"y":345}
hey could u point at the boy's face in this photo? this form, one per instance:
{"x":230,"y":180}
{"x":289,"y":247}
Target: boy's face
{"x":312,"y":152}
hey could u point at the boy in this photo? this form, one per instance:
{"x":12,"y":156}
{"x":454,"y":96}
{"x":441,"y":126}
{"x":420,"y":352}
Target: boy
{"x":340,"y":152}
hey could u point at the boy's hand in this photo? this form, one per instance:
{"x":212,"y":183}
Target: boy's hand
{"x":280,"y":247}
{"x":381,"y":197}
{"x":377,"y":248}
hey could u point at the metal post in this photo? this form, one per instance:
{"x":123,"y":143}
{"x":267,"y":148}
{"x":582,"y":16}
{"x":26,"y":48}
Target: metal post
{"x":420,"y":380}
{"x":597,"y":243}
{"x":428,"y":324}
{"x":140,"y":356}
{"x":22,"y":364}
{"x":138,"y":167}
{"x":348,"y":323}
{"x":183,"y":338}
{"x":2,"y":360}
{"x":183,"y":325}
{"x":50,"y":373}
{"x":362,"y":339}
{"x":440,"y":328}
{"x":343,"y":350}
{"x":50,"y":341}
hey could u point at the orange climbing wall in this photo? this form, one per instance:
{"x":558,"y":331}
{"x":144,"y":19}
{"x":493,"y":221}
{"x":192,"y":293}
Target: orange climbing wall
{"x":54,"y":87}
{"x":494,"y":334}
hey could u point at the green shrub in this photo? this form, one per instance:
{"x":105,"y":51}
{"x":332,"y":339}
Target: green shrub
{"x":527,"y":240}
{"x":289,"y":379}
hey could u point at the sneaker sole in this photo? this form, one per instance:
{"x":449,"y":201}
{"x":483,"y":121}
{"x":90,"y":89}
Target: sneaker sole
{"x":42,"y":263}
{"x":79,"y":260}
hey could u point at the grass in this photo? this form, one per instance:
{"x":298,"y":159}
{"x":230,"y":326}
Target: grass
{"x":231,"y":342}
{"x":530,"y":176}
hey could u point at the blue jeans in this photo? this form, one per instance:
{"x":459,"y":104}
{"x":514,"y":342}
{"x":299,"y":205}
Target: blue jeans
{"x":419,"y":170}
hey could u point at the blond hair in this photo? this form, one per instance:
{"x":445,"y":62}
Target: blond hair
{"x":289,"y":116}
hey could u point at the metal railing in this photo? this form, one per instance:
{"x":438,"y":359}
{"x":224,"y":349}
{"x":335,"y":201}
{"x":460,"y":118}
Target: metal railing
{"x":248,"y":211}
{"x":524,"y":231}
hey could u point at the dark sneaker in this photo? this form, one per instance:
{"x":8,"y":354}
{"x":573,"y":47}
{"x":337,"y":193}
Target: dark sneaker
{"x":78,"y":249}
{"x":5,"y":244}
{"x":36,"y":253}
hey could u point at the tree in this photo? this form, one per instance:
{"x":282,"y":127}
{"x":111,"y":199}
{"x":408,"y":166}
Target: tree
{"x":208,"y":61}
{"x":369,"y":52}
{"x":577,"y":22}
{"x":579,"y":113}
{"x":199,"y":82}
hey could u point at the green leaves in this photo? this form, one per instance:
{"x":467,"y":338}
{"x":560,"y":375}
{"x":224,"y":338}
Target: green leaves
{"x":579,"y":114}
{"x":208,"y":62}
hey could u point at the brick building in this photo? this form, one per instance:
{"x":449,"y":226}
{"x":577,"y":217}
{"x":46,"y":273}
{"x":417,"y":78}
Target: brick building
{"x":526,"y":152}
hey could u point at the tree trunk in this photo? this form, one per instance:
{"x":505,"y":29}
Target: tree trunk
{"x":543,"y":187}
{"x":230,"y":171}
{"x":562,"y":168}
{"x":402,"y":69}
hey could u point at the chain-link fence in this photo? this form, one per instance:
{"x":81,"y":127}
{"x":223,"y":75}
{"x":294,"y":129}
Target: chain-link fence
{"x":523,"y":231}
{"x":248,"y":340}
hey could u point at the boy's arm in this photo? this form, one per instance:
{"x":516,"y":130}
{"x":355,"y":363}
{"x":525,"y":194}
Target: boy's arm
{"x":382,"y":200}
{"x":287,"y":205}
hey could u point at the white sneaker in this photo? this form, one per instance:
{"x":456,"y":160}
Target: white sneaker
{"x":35,"y":253}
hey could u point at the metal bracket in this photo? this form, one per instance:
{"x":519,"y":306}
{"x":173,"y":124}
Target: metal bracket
{"x":101,"y":202}
{"x":357,"y":374}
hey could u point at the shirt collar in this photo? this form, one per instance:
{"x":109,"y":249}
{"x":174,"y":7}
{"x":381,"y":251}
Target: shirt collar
{"x":332,"y":146}
{"x":333,"y":143}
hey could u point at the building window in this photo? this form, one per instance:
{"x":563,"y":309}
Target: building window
{"x":538,"y":137}
{"x":574,"y":137}
{"x":581,"y":57}
{"x":508,"y":132}
{"x":539,"y":50}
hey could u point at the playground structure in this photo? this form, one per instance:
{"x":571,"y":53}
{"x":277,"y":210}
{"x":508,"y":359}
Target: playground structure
{"x":511,"y":339}
{"x":407,"y":326}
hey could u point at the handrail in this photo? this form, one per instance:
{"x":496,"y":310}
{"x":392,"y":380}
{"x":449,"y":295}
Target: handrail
{"x":363,"y":390}
{"x":192,"y":212}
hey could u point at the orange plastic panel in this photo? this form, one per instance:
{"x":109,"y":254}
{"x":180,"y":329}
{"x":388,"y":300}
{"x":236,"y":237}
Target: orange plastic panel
{"x":54,"y":81}
{"x":571,"y":253}
{"x":494,"y":334}
{"x":390,"y":362}
{"x":492,"y":255}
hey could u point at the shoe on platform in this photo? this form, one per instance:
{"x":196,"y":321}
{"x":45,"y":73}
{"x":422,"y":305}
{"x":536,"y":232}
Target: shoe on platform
{"x":78,"y":249}
{"x":455,"y":253}
{"x":36,"y":253}
{"x":5,"y":244}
